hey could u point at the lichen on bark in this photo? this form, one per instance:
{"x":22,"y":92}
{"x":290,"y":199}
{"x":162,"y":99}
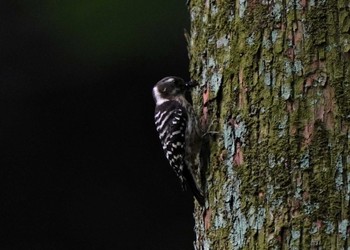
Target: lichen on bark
{"x":275,"y":77}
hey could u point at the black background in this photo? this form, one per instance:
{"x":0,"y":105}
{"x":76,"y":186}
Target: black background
{"x":82,"y":167}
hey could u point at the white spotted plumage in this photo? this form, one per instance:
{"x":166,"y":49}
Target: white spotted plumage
{"x":178,"y":130}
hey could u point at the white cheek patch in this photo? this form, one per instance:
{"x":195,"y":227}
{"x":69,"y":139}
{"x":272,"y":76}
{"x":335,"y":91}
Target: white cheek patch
{"x":158,"y":97}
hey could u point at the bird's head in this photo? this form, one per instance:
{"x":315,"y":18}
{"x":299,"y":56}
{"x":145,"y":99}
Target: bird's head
{"x":170,"y":87}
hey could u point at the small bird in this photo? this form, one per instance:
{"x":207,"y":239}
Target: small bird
{"x":179,"y":130}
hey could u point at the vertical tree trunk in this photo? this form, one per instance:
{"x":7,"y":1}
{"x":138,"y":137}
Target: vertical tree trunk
{"x":275,"y":79}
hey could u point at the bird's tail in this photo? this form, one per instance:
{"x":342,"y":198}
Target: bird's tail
{"x":192,"y":184}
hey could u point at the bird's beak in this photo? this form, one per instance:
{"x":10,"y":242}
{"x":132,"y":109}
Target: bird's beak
{"x":191,"y":84}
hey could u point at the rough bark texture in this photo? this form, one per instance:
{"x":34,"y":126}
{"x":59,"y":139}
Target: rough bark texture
{"x":275,"y":79}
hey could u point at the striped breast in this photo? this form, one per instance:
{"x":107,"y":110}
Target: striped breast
{"x":171,"y":121}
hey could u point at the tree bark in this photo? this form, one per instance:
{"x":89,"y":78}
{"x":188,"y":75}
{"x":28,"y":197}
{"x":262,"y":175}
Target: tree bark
{"x":274,"y":79}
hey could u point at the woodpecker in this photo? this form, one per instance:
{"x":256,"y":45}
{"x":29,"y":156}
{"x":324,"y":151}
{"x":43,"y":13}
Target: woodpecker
{"x":179,"y":130}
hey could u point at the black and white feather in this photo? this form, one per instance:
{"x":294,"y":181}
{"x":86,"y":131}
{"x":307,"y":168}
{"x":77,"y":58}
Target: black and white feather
{"x":178,"y":130}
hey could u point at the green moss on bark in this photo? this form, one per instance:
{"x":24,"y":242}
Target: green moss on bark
{"x":275,"y":77}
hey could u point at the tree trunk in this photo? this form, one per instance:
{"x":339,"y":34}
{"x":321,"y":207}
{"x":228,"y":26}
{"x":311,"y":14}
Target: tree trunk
{"x":274,"y":81}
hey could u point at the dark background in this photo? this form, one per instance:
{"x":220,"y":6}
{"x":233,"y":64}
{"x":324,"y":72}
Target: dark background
{"x":81,"y":164}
